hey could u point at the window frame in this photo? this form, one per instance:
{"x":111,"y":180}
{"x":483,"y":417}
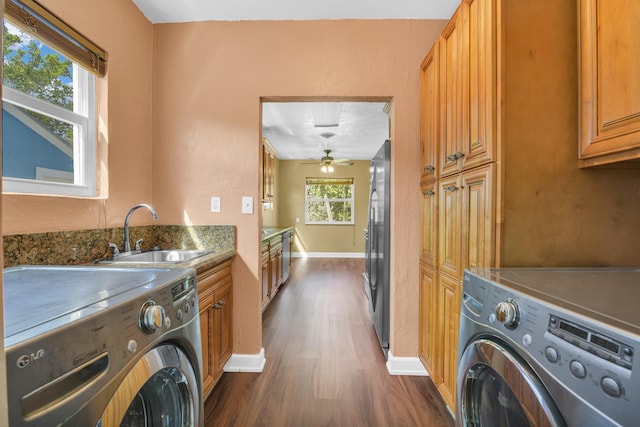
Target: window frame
{"x":84,"y":138}
{"x":325,"y":181}
{"x":89,"y":60}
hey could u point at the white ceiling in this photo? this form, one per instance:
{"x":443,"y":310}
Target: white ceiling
{"x":163,"y":11}
{"x":363,"y":126}
{"x":291,"y":128}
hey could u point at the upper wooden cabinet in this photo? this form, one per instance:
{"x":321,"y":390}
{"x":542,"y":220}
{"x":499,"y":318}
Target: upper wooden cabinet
{"x":609,"y":81}
{"x":450,"y":92}
{"x":429,"y":104}
{"x":467,"y":87}
{"x":268,"y":170}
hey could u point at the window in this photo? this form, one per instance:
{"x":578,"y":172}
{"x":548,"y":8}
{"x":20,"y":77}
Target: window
{"x":329,"y":201}
{"x":48,"y":111}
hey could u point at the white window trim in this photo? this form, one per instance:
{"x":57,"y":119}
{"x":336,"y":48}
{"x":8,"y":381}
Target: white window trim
{"x":315,"y":199}
{"x":84,"y":144}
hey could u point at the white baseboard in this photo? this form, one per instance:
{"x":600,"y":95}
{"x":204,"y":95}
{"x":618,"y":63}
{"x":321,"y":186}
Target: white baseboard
{"x":327,"y":254}
{"x":410,"y":366}
{"x":246,"y":362}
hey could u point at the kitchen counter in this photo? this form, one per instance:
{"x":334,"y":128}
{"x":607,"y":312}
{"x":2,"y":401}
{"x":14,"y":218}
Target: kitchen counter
{"x":269,"y":232}
{"x":200,"y":264}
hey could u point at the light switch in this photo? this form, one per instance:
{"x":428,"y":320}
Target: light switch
{"x":247,"y":205}
{"x":215,"y":204}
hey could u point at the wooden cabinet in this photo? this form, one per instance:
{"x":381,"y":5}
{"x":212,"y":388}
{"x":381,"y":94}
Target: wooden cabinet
{"x":272,"y":268}
{"x":215,"y":299}
{"x":450,"y":92}
{"x":268,"y":170}
{"x":609,"y":83}
{"x":265,"y":274}
{"x":275,"y":265}
{"x":429,"y":224}
{"x":448,"y":300}
{"x":449,"y":226}
{"x":429,"y":144}
{"x":429,"y":325}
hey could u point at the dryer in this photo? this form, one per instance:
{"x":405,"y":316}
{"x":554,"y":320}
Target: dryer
{"x":549,"y":347}
{"x":102,"y":346}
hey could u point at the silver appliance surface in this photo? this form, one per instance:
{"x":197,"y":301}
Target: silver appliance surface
{"x":570,"y":334}
{"x":599,"y":293}
{"x":42,"y":294}
{"x":72,"y":335}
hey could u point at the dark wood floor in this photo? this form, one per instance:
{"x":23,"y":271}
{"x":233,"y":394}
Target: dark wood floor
{"x":324,"y":365}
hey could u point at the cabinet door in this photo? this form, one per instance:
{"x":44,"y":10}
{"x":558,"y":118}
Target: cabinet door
{"x":266,"y":278}
{"x":449,"y":224}
{"x":478,"y":83}
{"x":450,"y":65}
{"x":449,"y":296}
{"x":429,"y":105}
{"x":609,"y":81}
{"x":429,"y":330}
{"x":222,"y":310}
{"x":206,"y":333}
{"x":429,"y":224}
{"x":478,"y":217}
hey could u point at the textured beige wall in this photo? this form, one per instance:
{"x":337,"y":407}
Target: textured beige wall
{"x":209,"y":78}
{"x":322,"y":238}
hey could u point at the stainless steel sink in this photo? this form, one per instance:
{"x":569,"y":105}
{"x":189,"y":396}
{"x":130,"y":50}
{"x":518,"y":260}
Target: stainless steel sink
{"x":162,"y":256}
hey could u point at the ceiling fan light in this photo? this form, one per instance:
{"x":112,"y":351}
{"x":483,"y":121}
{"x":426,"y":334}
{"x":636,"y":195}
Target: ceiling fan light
{"x":324,"y":168}
{"x":330,"y":168}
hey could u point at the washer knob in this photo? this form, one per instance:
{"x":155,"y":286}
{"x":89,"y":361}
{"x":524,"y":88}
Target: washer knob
{"x":508,"y":313}
{"x":152,"y":317}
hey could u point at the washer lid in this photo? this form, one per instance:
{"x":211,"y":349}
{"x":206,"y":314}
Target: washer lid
{"x":36,"y":295}
{"x":609,"y":295}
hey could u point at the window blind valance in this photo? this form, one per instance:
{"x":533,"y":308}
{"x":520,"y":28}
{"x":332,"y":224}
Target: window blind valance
{"x":33,"y":18}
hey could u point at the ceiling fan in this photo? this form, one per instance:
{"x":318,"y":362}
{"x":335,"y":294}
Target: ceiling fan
{"x":327,"y":162}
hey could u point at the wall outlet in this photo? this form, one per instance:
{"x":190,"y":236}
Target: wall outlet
{"x":215,"y":204}
{"x":247,"y":205}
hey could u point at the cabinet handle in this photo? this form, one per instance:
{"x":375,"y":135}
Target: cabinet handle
{"x":456,"y":156}
{"x":429,"y":193}
{"x":218,"y":305}
{"x":429,"y":168}
{"x":451,"y":188}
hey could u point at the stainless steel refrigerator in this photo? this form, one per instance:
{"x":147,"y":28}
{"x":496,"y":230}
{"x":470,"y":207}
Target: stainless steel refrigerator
{"x":377,"y":244}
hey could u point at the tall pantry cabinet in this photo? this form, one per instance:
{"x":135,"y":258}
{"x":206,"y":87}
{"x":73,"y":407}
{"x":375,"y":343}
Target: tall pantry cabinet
{"x":458,"y":178}
{"x":500,"y":154}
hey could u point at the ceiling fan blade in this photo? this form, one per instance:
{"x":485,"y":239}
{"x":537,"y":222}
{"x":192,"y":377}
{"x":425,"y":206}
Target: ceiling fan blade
{"x":342,"y":164}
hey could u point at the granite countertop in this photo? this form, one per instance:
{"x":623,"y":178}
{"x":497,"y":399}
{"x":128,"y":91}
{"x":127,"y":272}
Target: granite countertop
{"x":269,"y":232}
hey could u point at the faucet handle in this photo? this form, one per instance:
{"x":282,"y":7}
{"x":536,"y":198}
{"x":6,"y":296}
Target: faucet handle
{"x":137,"y":246}
{"x":114,"y":249}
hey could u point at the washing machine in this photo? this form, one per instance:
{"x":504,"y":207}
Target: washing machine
{"x":102,"y":346}
{"x":549,"y":347}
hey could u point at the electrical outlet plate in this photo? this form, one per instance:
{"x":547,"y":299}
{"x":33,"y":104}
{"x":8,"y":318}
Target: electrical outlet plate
{"x":247,"y":205}
{"x":215,"y":204}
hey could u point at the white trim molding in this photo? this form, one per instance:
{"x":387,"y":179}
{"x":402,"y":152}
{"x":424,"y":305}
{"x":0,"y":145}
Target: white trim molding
{"x":246,"y":362}
{"x":410,"y":366}
{"x":327,"y":254}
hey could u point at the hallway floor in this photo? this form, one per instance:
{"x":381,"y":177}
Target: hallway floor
{"x":324,"y":365}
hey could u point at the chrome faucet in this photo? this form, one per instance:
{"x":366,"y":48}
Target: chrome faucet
{"x":127,"y":246}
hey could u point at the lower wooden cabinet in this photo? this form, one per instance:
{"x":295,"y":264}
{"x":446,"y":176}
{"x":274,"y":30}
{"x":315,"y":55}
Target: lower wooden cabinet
{"x":428,"y":329}
{"x":215,"y":299}
{"x":448,"y":300}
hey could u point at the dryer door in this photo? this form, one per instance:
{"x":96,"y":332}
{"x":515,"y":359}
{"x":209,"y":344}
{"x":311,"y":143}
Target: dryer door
{"x":497,"y":388}
{"x":161,"y":390}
